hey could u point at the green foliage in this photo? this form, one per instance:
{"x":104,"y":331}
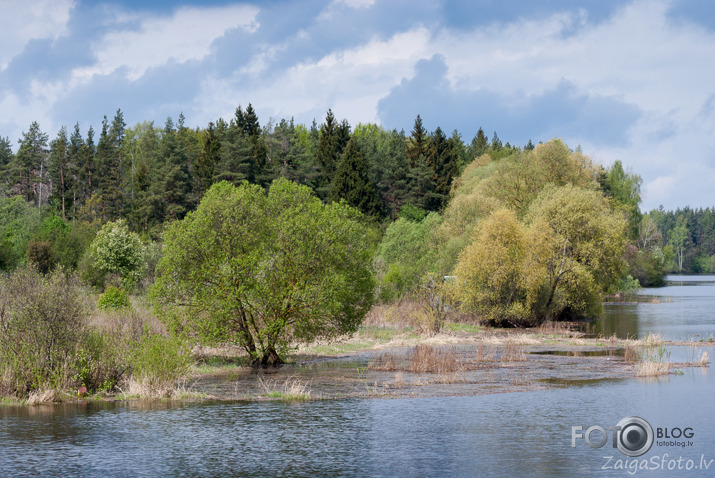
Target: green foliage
{"x":158,"y":362}
{"x":101,"y":361}
{"x":39,"y":253}
{"x":18,"y":222}
{"x":42,"y":321}
{"x":557,"y":263}
{"x":117,"y":250}
{"x":584,"y":240}
{"x":351,"y":182}
{"x":405,"y":255}
{"x":114,"y":298}
{"x":646,"y":266}
{"x":229,"y":274}
{"x":412,"y":213}
{"x":494,"y":277}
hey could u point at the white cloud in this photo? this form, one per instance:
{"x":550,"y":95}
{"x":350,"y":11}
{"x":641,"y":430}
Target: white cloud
{"x":186,"y":35}
{"x":22,"y":22}
{"x":355,"y":3}
{"x":350,"y":81}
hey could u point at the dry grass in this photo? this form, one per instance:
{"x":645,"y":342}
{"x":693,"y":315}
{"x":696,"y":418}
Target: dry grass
{"x":398,"y":315}
{"x":652,"y":369}
{"x":631,"y":354}
{"x":423,"y":358}
{"x":704,"y":358}
{"x":37,"y":397}
{"x":429,"y":359}
{"x":512,"y":353}
{"x":291,"y":389}
{"x":148,"y":388}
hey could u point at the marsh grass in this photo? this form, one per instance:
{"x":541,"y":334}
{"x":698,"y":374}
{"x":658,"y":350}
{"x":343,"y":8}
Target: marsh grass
{"x":654,"y":358}
{"x":426,"y":358}
{"x":423,"y":358}
{"x":704,"y":358}
{"x":631,"y":354}
{"x":512,"y":353}
{"x":291,"y":389}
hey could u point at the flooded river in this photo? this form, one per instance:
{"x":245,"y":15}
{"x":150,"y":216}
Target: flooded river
{"x":502,"y":434}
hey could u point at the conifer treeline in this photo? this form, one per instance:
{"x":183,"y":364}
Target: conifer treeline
{"x":149,"y":175}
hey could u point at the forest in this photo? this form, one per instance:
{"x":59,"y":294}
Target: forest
{"x":55,"y":194}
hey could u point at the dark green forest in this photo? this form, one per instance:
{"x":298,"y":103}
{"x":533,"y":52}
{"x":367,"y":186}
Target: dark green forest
{"x":57,"y":192}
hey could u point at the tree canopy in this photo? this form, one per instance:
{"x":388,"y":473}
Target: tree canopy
{"x":265,"y":269}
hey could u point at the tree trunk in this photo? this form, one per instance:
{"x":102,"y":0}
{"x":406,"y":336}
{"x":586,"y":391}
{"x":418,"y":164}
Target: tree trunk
{"x":270,"y":358}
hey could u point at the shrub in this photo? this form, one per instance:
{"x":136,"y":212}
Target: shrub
{"x":41,"y":322}
{"x":158,"y":363}
{"x":114,"y":298}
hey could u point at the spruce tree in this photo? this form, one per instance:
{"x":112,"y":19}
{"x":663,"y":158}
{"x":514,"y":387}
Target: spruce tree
{"x":352,"y":184}
{"x":327,"y":153}
{"x":418,"y":144}
{"x":480,"y":143}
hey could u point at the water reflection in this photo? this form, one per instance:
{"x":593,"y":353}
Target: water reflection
{"x":680,"y":311}
{"x":514,"y":434}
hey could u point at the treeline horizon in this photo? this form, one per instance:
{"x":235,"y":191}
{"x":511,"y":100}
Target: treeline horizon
{"x":149,"y":175}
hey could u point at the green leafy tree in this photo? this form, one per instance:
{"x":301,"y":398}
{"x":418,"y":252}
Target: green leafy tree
{"x":230,"y":275}
{"x":492,"y":274}
{"x":116,"y":250}
{"x":679,"y":239}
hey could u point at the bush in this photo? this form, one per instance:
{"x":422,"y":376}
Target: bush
{"x":158,"y":363}
{"x":114,"y":298}
{"x":100,"y":361}
{"x":42,"y":319}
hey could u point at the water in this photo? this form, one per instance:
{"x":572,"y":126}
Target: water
{"x":683,"y":310}
{"x":505,"y":434}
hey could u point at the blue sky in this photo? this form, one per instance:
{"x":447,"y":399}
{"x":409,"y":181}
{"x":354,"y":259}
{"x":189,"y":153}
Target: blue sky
{"x":633,"y":81}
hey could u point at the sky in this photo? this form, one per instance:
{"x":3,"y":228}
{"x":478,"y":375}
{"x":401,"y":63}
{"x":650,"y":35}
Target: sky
{"x":629,"y":81}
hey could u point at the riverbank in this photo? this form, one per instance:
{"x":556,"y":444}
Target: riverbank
{"x":463,"y":359}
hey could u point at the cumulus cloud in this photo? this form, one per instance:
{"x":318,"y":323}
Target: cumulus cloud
{"x":186,"y":35}
{"x":629,"y":81}
{"x":22,"y":22}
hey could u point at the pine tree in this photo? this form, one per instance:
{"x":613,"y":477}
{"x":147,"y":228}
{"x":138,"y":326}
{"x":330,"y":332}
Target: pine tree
{"x":443,"y":163}
{"x":6,"y":159}
{"x":174,"y":185}
{"x":352,"y":184}
{"x":60,"y":170}
{"x":30,"y":167}
{"x":496,"y":145}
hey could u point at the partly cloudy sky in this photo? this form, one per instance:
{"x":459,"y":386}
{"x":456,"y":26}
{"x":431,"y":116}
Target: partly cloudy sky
{"x":633,"y":81}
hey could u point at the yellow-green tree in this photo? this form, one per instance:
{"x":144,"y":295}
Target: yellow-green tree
{"x":583,"y":242}
{"x":492,"y":272}
{"x":555,"y":264}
